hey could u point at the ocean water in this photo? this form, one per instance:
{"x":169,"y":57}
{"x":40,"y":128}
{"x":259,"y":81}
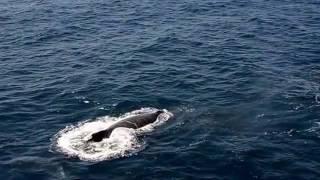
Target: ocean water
{"x":241,"y":78}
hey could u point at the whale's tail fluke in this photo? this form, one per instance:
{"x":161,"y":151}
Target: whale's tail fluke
{"x":97,"y":137}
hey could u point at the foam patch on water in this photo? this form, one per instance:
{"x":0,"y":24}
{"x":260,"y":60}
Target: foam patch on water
{"x":315,"y":128}
{"x":123,"y":142}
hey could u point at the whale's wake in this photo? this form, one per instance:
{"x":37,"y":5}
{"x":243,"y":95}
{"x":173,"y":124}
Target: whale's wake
{"x":72,"y":140}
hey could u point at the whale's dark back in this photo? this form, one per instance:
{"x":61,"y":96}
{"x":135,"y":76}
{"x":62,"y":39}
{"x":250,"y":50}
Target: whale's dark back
{"x":133,"y":122}
{"x":143,"y":119}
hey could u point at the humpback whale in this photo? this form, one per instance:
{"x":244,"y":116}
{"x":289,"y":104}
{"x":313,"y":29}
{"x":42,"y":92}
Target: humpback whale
{"x":133,"y":122}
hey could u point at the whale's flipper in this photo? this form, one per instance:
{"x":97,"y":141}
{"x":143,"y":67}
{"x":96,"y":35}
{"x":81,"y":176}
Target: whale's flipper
{"x":97,"y":137}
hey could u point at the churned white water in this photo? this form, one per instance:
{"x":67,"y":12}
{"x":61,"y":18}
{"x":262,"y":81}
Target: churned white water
{"x":72,"y":140}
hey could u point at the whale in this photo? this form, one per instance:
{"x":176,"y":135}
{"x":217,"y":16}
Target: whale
{"x":134,"y":122}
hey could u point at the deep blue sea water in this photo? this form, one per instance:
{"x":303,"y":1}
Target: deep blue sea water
{"x":242,"y":79}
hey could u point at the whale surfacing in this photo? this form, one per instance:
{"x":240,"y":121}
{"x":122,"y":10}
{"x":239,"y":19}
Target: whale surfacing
{"x":133,"y":122}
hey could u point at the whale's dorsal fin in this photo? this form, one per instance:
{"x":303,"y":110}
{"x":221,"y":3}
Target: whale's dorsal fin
{"x":97,"y":137}
{"x":159,"y":112}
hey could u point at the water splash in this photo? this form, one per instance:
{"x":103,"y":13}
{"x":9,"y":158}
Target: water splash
{"x":123,"y":142}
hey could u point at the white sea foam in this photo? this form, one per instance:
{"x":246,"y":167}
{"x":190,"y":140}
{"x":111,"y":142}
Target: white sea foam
{"x":72,"y":140}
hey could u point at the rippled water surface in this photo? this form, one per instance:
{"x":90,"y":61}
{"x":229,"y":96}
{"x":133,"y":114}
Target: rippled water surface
{"x":241,"y":78}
